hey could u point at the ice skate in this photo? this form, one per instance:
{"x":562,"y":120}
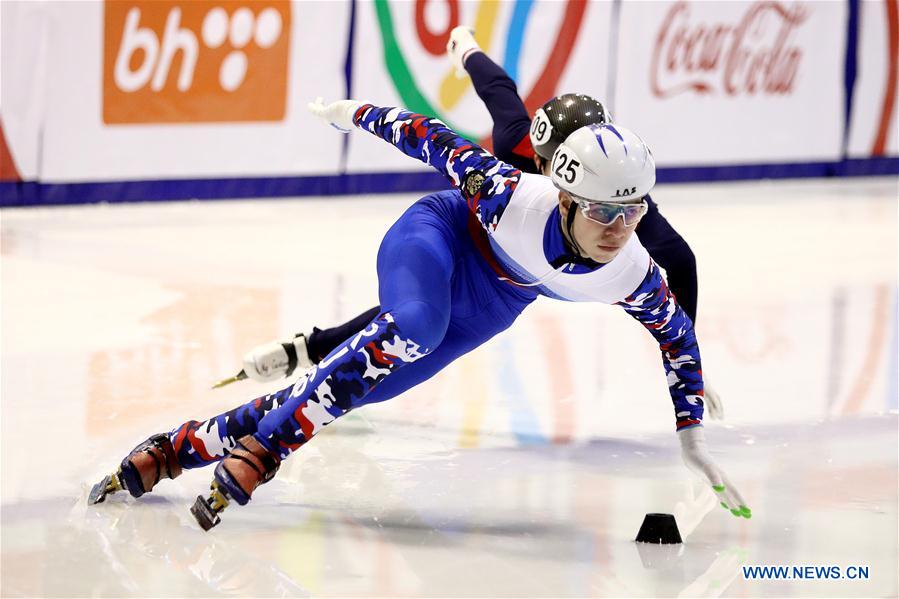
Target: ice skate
{"x":273,"y":361}
{"x":236,"y":477}
{"x":146,"y":465}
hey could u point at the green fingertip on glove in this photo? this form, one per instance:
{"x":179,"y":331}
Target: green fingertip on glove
{"x":743,"y":511}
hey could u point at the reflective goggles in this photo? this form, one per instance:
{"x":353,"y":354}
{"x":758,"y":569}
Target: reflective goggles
{"x":605,"y":213}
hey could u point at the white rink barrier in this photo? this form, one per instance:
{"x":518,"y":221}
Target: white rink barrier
{"x":164,"y":99}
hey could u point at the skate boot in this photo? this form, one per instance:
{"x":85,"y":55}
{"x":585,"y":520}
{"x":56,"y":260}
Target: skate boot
{"x":146,"y":465}
{"x":236,"y":477}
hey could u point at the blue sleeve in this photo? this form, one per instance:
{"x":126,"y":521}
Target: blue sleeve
{"x":486,"y":183}
{"x":656,"y":309}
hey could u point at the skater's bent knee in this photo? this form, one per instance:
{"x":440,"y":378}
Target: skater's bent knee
{"x":421,"y":322}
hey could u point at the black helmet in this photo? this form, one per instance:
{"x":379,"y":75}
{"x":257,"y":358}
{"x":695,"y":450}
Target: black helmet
{"x":562,"y":116}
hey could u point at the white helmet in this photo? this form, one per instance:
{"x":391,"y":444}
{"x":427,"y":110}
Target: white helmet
{"x":604,"y":163}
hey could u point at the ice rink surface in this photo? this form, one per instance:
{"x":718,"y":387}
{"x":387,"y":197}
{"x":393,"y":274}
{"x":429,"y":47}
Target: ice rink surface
{"x":524,"y":469}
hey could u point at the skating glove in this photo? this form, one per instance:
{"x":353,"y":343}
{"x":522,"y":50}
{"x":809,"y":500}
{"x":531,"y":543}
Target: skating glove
{"x":460,"y":44}
{"x":275,"y":360}
{"x":338,"y":114}
{"x":697,"y":457}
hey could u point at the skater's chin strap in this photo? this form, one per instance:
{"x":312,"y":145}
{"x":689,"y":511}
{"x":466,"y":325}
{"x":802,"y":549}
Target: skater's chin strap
{"x":577,"y":255}
{"x":574,"y":254}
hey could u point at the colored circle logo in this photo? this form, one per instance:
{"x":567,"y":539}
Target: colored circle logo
{"x":433,"y":39}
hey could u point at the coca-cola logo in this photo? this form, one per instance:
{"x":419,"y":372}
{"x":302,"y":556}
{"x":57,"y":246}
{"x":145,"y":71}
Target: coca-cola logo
{"x":754,"y":56}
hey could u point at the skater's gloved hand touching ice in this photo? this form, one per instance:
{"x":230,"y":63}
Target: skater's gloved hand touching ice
{"x":697,"y":457}
{"x":338,"y":114}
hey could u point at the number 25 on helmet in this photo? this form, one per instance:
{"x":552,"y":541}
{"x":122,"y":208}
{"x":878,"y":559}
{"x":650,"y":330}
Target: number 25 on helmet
{"x":604,"y":163}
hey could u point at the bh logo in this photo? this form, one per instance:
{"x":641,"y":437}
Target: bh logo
{"x":167,"y":61}
{"x":414,"y":36}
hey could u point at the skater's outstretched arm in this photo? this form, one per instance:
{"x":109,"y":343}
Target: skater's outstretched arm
{"x":486,"y":182}
{"x":511,"y":121}
{"x":656,"y":309}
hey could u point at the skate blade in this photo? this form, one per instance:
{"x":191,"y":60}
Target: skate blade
{"x":237,"y":377}
{"x":110,"y":484}
{"x":206,"y":511}
{"x":204,"y":514}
